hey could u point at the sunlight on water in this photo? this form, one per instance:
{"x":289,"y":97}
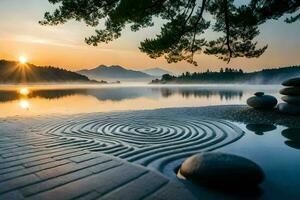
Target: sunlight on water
{"x":24,"y":104}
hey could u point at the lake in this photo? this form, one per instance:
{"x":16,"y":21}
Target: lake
{"x":161,"y":139}
{"x":74,"y":99}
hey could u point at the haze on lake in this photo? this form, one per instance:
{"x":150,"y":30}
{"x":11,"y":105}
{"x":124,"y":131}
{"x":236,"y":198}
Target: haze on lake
{"x":66,"y":99}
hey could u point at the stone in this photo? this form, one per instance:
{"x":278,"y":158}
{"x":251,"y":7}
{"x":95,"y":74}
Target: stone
{"x":291,"y":91}
{"x":292,"y":82}
{"x":260,"y":129}
{"x":295,"y":100}
{"x":220,"y":169}
{"x":259,"y":94}
{"x":262,"y":102}
{"x":289,"y":109}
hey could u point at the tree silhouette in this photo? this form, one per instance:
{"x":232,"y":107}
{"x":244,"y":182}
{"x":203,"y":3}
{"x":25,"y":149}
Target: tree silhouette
{"x":185,"y":22}
{"x":230,"y":75}
{"x":14,"y":72}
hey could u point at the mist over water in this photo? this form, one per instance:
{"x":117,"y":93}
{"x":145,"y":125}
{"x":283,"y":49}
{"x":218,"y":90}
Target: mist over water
{"x":74,"y":99}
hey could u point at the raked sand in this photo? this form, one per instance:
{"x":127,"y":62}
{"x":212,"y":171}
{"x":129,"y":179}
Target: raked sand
{"x":81,"y":156}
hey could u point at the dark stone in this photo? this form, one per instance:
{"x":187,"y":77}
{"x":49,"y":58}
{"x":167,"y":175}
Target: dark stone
{"x":292,"y":82}
{"x":262,"y":102}
{"x":292,"y":134}
{"x":259,"y":94}
{"x":220,"y":169}
{"x":260,"y":129}
{"x":289,"y":109}
{"x":291,"y":91}
{"x":291,"y":99}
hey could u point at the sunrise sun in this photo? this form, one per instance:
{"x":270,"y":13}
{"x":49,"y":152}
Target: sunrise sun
{"x":24,"y":91}
{"x":22,"y":59}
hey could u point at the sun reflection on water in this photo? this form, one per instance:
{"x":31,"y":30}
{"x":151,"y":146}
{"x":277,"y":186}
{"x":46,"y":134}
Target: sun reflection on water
{"x":24,"y":104}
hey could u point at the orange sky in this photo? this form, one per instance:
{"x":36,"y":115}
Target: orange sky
{"x":20,"y":34}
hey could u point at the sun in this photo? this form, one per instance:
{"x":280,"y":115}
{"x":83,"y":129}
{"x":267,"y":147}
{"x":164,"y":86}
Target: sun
{"x":24,"y":91}
{"x":22,"y":59}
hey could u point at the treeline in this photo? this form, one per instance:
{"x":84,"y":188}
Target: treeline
{"x":230,"y":75}
{"x":13,"y":72}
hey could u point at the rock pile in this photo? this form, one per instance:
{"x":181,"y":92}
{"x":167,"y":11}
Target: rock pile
{"x":262,"y":101}
{"x":291,"y":98}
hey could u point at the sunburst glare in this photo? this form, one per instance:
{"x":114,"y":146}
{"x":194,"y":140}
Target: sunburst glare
{"x":22,"y":59}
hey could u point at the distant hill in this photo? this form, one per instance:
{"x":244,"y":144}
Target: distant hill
{"x":157,"y":72}
{"x":273,"y":76}
{"x":14,"y":72}
{"x":228,"y":75}
{"x":114,"y":73}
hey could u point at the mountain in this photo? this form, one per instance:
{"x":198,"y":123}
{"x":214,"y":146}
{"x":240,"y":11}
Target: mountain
{"x":158,"y":72}
{"x":114,"y":72}
{"x":265,"y":76}
{"x":14,"y":72}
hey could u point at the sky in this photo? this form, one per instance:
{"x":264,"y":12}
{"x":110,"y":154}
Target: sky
{"x":64,"y":46}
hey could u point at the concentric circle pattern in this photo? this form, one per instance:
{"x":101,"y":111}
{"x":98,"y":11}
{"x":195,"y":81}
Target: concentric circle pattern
{"x":146,"y":138}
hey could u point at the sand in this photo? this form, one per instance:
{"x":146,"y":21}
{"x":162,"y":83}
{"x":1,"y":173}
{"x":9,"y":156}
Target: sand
{"x":157,"y":139}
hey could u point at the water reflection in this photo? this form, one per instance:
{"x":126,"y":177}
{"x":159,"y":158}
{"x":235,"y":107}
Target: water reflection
{"x":195,"y":92}
{"x":7,"y":95}
{"x":260,"y":129}
{"x":119,"y":94}
{"x":69,"y":99}
{"x":24,"y":104}
{"x":293,"y":136}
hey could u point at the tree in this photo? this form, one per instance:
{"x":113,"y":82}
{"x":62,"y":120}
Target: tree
{"x":185,"y":21}
{"x":167,"y":77}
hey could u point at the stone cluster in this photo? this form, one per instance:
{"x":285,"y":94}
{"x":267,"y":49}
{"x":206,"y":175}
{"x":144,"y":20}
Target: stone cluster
{"x":291,"y":98}
{"x":262,"y":101}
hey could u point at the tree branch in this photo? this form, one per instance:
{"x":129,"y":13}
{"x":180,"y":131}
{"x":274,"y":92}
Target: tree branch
{"x":196,"y":25}
{"x":226,"y":14}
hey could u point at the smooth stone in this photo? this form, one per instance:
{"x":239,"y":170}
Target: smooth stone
{"x":291,"y":91}
{"x":292,"y":134}
{"x":260,"y":129}
{"x":220,"y":169}
{"x":259,"y":94}
{"x":262,"y":102}
{"x":292,"y":82}
{"x":291,"y":99}
{"x":289,"y":109}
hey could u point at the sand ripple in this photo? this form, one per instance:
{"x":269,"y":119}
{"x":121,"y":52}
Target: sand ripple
{"x":149,"y":139}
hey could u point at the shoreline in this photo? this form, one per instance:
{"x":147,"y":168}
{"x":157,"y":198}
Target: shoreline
{"x":236,"y":113}
{"x":244,"y":114}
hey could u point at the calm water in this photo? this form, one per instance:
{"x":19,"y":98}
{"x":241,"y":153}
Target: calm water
{"x":275,"y":149}
{"x":63,"y":99}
